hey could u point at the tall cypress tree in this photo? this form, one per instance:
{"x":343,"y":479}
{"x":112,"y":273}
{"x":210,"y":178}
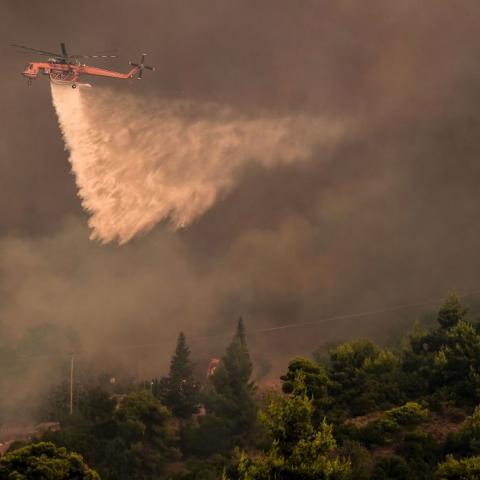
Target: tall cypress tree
{"x":179,"y":391}
{"x":233,"y":397}
{"x":231,"y":410}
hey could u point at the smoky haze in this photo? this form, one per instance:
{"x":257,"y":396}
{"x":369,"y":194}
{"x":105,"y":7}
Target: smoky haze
{"x":386,"y":215}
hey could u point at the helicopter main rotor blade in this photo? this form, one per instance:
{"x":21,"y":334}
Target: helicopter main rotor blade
{"x":64,"y":50}
{"x":23,"y":52}
{"x":110,"y":53}
{"x":93,"y":56}
{"x":30,"y":49}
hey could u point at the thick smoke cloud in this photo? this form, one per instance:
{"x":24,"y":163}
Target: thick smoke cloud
{"x":390,"y":215}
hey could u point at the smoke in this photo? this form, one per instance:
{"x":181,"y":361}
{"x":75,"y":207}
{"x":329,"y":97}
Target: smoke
{"x":139,"y":162}
{"x":355,"y":219}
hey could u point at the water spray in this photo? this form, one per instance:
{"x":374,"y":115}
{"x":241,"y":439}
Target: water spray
{"x":140,"y":162}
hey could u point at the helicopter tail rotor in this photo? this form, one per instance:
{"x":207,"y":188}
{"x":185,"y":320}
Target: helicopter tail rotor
{"x":141,"y":66}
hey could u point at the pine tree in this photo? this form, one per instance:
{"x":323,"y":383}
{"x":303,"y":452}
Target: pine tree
{"x":451,"y":312}
{"x":231,"y":400}
{"x":232,"y":377}
{"x":179,"y":391}
{"x":298,"y":450}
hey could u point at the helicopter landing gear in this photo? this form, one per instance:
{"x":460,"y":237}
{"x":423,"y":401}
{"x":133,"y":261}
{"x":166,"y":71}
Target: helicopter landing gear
{"x":29,"y":82}
{"x":74,"y":85}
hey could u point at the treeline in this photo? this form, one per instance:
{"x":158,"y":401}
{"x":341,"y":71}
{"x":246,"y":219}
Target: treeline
{"x":356,"y":411}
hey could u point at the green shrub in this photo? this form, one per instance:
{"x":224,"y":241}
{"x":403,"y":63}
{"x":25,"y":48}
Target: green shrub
{"x":453,"y":469}
{"x":467,"y":440}
{"x":409,"y":414}
{"x":392,"y":467}
{"x":422,"y":453}
{"x":378,"y":432}
{"x":360,"y":458}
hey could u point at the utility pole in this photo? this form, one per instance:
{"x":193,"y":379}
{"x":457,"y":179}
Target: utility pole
{"x":71,"y":384}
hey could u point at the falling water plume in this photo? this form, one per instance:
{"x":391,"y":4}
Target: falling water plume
{"x":138,"y":162}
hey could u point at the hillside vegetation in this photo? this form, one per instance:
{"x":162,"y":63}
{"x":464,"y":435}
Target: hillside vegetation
{"x":359,"y":411}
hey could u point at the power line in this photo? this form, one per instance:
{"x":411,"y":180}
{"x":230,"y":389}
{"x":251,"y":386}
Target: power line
{"x":267,"y":329}
{"x":300,"y":324}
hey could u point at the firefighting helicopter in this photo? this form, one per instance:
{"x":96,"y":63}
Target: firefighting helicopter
{"x":66,"y":69}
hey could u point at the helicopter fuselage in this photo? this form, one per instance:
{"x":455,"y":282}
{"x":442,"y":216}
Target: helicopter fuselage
{"x":70,"y":72}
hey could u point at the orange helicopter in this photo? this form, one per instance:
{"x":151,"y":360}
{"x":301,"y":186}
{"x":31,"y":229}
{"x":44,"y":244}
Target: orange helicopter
{"x":66,"y":69}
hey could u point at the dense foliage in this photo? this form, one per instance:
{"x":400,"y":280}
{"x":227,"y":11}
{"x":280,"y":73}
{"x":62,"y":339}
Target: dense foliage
{"x":44,"y":461}
{"x":356,"y":411}
{"x":123,"y":438}
{"x":298,"y":450}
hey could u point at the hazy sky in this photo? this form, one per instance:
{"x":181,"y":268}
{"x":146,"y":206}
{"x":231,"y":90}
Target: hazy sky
{"x":386,"y":216}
